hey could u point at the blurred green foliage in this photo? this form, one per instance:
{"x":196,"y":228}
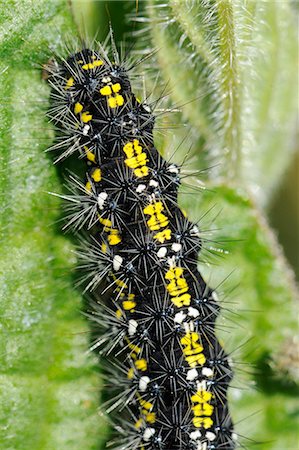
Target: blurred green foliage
{"x":232,"y":67}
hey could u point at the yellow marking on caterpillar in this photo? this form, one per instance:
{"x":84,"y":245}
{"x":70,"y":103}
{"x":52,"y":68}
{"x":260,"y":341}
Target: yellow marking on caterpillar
{"x":112,"y":88}
{"x":158,"y":219}
{"x":150,"y":417}
{"x":86,"y":117}
{"x":97,"y":175}
{"x":92,"y":65}
{"x":137,"y":161}
{"x":182,"y":300}
{"x":70,"y":82}
{"x":157,"y":222}
{"x":78,"y":108}
{"x":88,"y":187}
{"x":118,"y":313}
{"x":192,"y":349}
{"x":130,"y":374}
{"x":202,"y":396}
{"x":106,"y":90}
{"x":177,"y":287}
{"x":141,"y":364}
{"x":177,"y":284}
{"x":153,"y":208}
{"x":132,"y":148}
{"x":205,"y":422}
{"x":190,"y":342}
{"x":111,"y":92}
{"x":130,"y":296}
{"x":142,"y":172}
{"x":104,"y":247}
{"x":114,"y":238}
{"x":115,"y":101}
{"x":120,"y":283}
{"x":134,"y":349}
{"x":163,"y":235}
{"x":87,"y":66}
{"x":138,"y":424}
{"x":136,"y":158}
{"x":146,"y":405}
{"x":203,"y":409}
{"x":89,"y":155}
{"x":98,"y":63}
{"x":105,"y":222}
{"x":128,"y":305}
{"x":196,"y":360}
{"x":116,"y":87}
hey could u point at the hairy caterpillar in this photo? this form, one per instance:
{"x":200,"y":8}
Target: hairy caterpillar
{"x":153,"y":314}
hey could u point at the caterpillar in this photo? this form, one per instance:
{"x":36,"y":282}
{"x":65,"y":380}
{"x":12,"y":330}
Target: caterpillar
{"x":152,"y":314}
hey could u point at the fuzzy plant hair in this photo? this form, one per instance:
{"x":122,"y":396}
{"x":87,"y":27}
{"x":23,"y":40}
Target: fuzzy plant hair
{"x":152,"y":313}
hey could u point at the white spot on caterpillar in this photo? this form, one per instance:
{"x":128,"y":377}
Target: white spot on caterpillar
{"x":195,"y":435}
{"x":215,"y":296}
{"x":192,"y":374}
{"x":106,"y":79}
{"x":207,"y":372}
{"x":193,"y":312}
{"x":189,"y":326}
{"x":140,"y":188}
{"x":176,"y":247}
{"x":132,"y":327}
{"x":201,"y":446}
{"x":161,"y":253}
{"x":117,"y":262}
{"x":101,"y":199}
{"x":153,"y":183}
{"x":152,"y":197}
{"x":146,"y":107}
{"x":148,"y":433}
{"x":143,"y":382}
{"x":173,"y":168}
{"x":171,"y":261}
{"x":194,"y":231}
{"x":201,"y":385}
{"x":210,"y":436}
{"x":179,"y":317}
{"x":234,"y":436}
{"x":85,"y":130}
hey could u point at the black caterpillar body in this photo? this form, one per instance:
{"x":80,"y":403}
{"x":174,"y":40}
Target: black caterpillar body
{"x":153,"y":314}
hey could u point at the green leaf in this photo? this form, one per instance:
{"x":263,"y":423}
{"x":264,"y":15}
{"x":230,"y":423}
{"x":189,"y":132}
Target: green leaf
{"x":236,"y":65}
{"x":49,"y":385}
